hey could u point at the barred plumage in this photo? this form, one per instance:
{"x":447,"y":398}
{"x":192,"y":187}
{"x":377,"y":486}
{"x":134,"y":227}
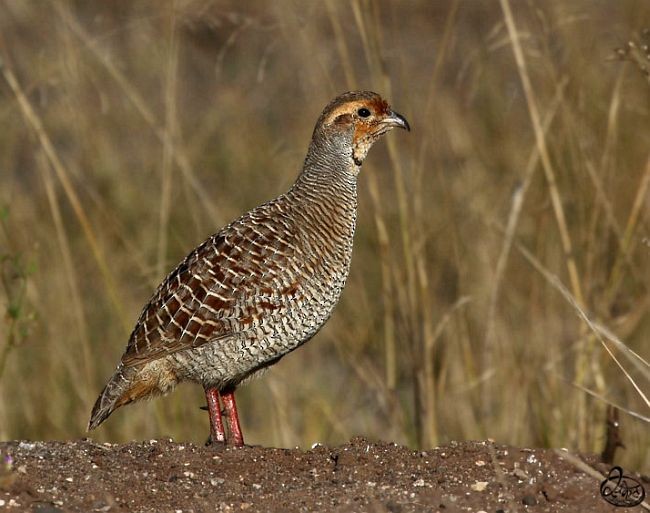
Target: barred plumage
{"x":261,"y":286}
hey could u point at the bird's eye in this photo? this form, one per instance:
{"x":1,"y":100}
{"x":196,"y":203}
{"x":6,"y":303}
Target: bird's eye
{"x":363,"y":112}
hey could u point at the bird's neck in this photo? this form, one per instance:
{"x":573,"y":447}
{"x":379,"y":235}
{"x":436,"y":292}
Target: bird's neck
{"x":328,"y":182}
{"x":325,"y":197}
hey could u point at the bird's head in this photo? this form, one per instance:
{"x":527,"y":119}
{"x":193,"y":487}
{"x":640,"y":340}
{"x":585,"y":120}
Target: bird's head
{"x":352,"y":122}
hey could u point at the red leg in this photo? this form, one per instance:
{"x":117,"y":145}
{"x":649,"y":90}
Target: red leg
{"x":237,"y":437}
{"x":217,"y":433}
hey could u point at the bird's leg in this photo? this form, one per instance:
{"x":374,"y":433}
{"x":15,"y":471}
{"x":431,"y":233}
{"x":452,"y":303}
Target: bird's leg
{"x":217,"y":433}
{"x":236,"y":435}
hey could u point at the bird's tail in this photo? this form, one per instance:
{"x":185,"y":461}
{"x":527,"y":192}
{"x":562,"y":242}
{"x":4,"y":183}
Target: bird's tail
{"x":124,"y":387}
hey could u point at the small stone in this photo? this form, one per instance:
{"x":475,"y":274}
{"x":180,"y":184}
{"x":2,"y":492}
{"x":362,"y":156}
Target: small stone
{"x":257,"y":486}
{"x":520,"y":474}
{"x":479,"y":486}
{"x":217,"y":481}
{"x":529,"y":500}
{"x":419,"y":483}
{"x":480,"y":463}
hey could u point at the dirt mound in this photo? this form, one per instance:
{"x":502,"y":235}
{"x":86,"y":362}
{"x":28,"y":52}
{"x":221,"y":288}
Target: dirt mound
{"x":162,"y":475}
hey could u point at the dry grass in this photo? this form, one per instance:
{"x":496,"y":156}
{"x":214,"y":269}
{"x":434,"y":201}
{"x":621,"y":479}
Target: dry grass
{"x":500,"y":282}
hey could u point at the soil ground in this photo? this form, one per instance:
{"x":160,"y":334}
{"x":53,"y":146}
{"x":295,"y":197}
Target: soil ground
{"x":167,"y":476}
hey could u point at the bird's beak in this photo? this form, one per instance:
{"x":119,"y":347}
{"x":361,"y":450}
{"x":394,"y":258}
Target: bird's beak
{"x":396,"y":120}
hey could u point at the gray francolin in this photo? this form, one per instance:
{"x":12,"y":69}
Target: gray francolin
{"x":260,"y":287}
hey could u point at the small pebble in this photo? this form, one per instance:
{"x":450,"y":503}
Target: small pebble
{"x":520,"y":474}
{"x":479,"y":486}
{"x":529,"y":500}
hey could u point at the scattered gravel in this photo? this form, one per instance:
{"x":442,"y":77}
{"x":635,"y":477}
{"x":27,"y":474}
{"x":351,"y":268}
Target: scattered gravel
{"x":164,"y":476}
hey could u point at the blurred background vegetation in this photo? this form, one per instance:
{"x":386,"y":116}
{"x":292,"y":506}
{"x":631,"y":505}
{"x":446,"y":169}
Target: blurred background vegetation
{"x":501,"y":265}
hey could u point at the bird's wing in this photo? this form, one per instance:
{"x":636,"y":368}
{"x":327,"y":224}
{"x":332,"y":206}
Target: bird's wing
{"x":226,"y":286}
